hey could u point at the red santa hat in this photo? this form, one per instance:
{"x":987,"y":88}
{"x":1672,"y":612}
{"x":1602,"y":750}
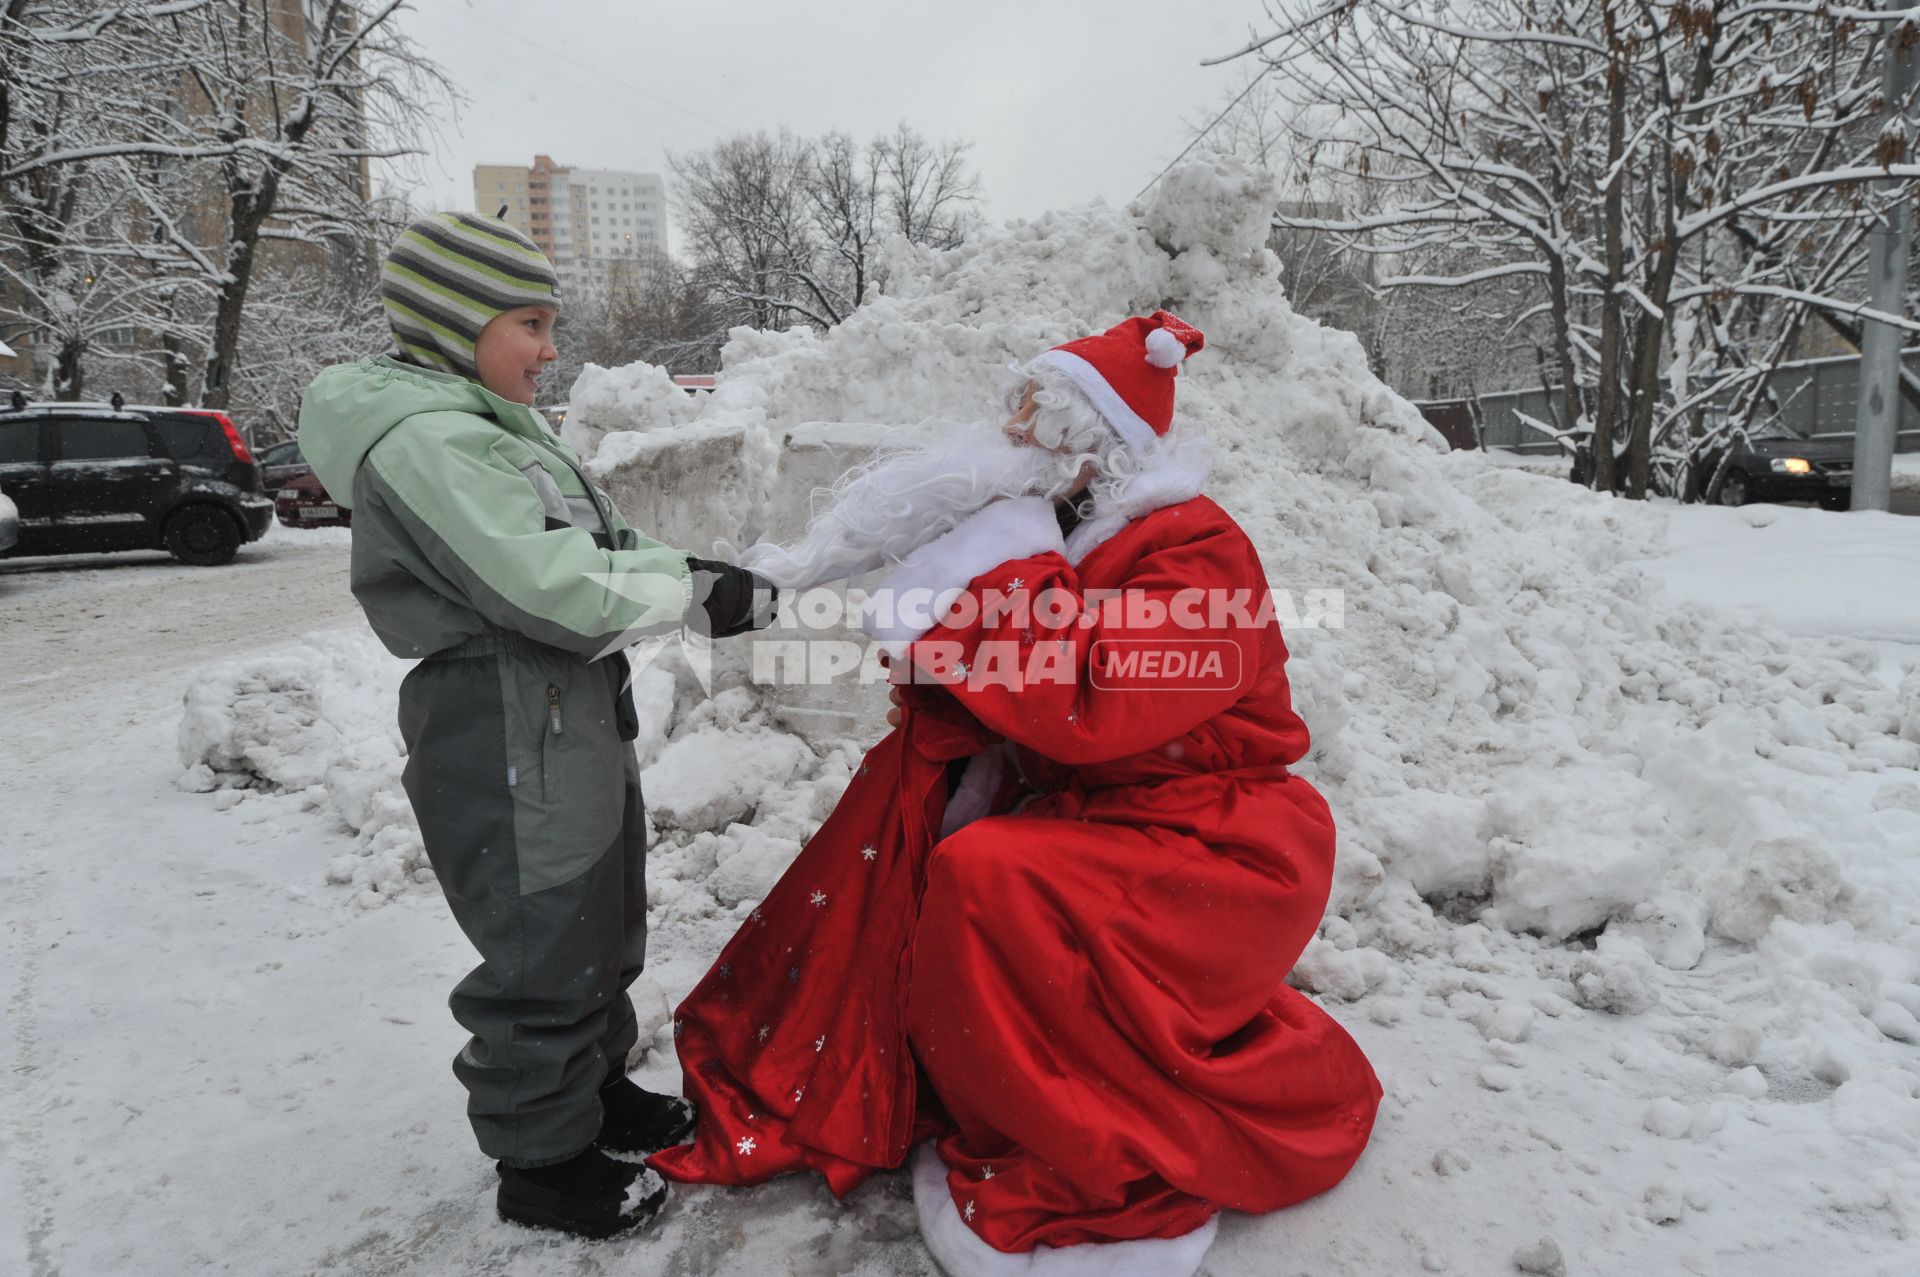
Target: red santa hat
{"x":1128,"y":371}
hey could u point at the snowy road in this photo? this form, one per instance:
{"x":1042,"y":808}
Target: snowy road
{"x":84,"y":616}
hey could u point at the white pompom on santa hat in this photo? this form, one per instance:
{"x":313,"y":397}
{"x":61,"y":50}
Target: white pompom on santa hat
{"x":1128,"y":371}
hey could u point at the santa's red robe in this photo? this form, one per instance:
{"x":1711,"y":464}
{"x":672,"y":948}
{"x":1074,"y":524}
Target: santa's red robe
{"x":1083,"y":999}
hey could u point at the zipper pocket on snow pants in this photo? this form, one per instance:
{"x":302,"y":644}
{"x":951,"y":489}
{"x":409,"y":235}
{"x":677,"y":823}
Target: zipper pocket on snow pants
{"x":549,"y":753}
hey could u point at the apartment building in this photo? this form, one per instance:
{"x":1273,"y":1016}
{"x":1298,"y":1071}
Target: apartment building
{"x":598,"y":226}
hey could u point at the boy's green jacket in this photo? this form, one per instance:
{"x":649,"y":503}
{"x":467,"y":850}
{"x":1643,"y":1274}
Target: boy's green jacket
{"x":470,"y":518}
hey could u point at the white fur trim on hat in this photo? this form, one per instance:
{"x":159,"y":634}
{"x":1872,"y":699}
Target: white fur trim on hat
{"x":961,"y":1253}
{"x":1105,"y":399}
{"x":916,"y":593}
{"x":1164,"y":350}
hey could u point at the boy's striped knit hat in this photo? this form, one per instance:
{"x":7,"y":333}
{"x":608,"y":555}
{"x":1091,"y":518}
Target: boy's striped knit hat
{"x":449,"y":274}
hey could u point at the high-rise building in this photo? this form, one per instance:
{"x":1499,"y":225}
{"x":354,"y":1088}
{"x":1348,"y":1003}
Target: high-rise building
{"x":501,"y":190}
{"x":600,"y":227}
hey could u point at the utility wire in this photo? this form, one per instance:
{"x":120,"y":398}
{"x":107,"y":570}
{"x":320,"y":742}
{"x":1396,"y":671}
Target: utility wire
{"x":591,"y":70}
{"x":1201,"y":135}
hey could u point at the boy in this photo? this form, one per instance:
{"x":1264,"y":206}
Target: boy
{"x":480,"y":547}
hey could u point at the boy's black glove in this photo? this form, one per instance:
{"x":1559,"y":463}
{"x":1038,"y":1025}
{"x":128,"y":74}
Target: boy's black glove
{"x":735,"y":600}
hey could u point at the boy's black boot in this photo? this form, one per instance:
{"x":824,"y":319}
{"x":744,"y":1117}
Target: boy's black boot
{"x":588,"y":1195}
{"x":641,"y":1121}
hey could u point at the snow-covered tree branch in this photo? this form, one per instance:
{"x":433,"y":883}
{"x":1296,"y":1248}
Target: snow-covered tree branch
{"x":1658,"y":188}
{"x":208,"y":164}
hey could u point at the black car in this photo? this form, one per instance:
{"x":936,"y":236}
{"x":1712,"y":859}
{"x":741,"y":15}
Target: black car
{"x":1778,"y":465}
{"x":100,"y":477}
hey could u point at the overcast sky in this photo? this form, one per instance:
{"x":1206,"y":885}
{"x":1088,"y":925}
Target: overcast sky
{"x":1064,"y":100}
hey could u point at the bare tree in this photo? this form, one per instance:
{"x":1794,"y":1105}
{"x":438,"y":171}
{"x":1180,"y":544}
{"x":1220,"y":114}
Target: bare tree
{"x":745,"y":212}
{"x":927,"y":192}
{"x":843,"y":191}
{"x":787,"y":230}
{"x":666,"y":318}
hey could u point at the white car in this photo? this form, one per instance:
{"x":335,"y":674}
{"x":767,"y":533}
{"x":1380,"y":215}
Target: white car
{"x":9,"y":523}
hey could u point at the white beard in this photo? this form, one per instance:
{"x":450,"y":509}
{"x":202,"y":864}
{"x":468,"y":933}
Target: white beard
{"x":906,"y":497}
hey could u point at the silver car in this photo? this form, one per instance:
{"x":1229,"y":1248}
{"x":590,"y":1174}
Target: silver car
{"x":9,"y":523}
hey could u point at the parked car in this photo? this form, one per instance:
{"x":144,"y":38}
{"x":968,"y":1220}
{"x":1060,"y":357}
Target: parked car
{"x":96,"y":477}
{"x":1777,"y":465}
{"x":298,"y":499}
{"x":301,"y":502}
{"x":9,"y":523}
{"x":279,"y":463}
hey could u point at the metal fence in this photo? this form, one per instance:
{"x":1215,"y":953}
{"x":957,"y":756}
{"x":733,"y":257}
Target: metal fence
{"x":1819,"y":399}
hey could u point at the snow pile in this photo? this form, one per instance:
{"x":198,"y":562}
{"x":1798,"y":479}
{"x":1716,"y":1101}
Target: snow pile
{"x":640,"y":397}
{"x":733,"y":797}
{"x":316,"y":720}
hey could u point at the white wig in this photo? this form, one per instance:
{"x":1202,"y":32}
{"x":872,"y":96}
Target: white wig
{"x":1065,"y":417}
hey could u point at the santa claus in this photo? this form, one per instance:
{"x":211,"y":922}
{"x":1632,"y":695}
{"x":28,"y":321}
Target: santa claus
{"x":1043,"y":938}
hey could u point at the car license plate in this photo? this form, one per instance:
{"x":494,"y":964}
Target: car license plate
{"x":319,"y":511}
{"x":1840,"y":478}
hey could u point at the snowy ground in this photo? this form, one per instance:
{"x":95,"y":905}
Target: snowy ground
{"x":214,"y":1062}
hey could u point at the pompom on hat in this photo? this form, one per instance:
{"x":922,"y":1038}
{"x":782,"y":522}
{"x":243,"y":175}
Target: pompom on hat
{"x":1128,"y":371}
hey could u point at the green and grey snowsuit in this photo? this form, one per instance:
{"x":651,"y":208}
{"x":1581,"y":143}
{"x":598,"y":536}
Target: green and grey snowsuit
{"x":480,"y":547}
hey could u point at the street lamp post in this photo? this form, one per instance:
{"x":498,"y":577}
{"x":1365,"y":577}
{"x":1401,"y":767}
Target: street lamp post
{"x":1887,"y":276}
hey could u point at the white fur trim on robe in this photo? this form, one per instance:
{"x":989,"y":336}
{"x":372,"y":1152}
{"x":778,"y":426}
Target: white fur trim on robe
{"x":924,"y":585}
{"x":962,"y":1254}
